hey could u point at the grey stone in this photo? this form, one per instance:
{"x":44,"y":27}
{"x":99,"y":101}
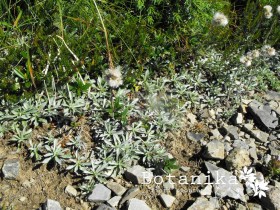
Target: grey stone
{"x":51,"y":205}
{"x":226,"y":184}
{"x":185,"y":168}
{"x":228,"y":147}
{"x":100,"y":193}
{"x":138,"y":175}
{"x":105,"y":207}
{"x":167,"y":200}
{"x":241,"y":134}
{"x":201,"y":179}
{"x":237,"y":159}
{"x":271,"y":201}
{"x":205,"y":114}
{"x":254,"y":206}
{"x":207,"y":190}
{"x":253,"y":154}
{"x":230,"y":130}
{"x":215,"y":150}
{"x":275,"y":106}
{"x":116,"y":188}
{"x":240,"y":144}
{"x":274,"y":147}
{"x":11,"y":168}
{"x":192,"y":118}
{"x":272,"y":95}
{"x":227,"y":138}
{"x":266,"y":159}
{"x":263,"y":116}
{"x":216,"y":134}
{"x":251,"y":142}
{"x":238,"y":118}
{"x":202,"y":203}
{"x":70,"y":190}
{"x":212,"y":113}
{"x":168,"y":185}
{"x":195,"y":136}
{"x":114,"y":201}
{"x":260,"y":135}
{"x":275,"y":183}
{"x":22,"y":199}
{"x":257,"y":134}
{"x":248,"y":127}
{"x":131,"y":193}
{"x":136,"y":204}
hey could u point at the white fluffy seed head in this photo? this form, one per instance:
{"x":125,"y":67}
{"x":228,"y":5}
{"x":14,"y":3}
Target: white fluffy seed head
{"x":114,"y":77}
{"x":271,"y":51}
{"x":278,"y":9}
{"x":265,"y":47}
{"x":243,"y":59}
{"x":268,"y":50}
{"x":267,"y":8}
{"x":248,"y":63}
{"x":256,"y":53}
{"x":268,"y":15}
{"x":220,"y":19}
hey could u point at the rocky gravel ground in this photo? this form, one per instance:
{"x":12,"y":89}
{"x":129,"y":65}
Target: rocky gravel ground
{"x":218,"y":162}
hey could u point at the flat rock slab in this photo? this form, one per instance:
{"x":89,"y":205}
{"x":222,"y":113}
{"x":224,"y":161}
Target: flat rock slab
{"x":240,"y":144}
{"x":238,"y":118}
{"x":272,"y":201}
{"x":260,"y":135}
{"x":263,"y":116}
{"x":51,"y":205}
{"x":206,"y":191}
{"x":138,"y":175}
{"x":105,"y":207}
{"x":136,"y":204}
{"x":100,"y":193}
{"x":274,"y":147}
{"x":195,"y":136}
{"x":272,"y":95}
{"x":231,"y":131}
{"x":225,"y":183}
{"x":202,"y":203}
{"x":237,"y":159}
{"x":11,"y":168}
{"x":114,"y":201}
{"x":167,"y":200}
{"x":116,"y":188}
{"x":70,"y":190}
{"x":215,"y":150}
{"x":131,"y":193}
{"x":275,"y":106}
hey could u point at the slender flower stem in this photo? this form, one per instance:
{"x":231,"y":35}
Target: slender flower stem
{"x":111,"y":65}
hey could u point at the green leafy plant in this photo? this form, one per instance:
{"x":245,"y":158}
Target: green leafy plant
{"x":274,"y":167}
{"x":170,"y":165}
{"x":77,"y":164}
{"x":35,"y":150}
{"x":55,"y":153}
{"x":21,"y":136}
